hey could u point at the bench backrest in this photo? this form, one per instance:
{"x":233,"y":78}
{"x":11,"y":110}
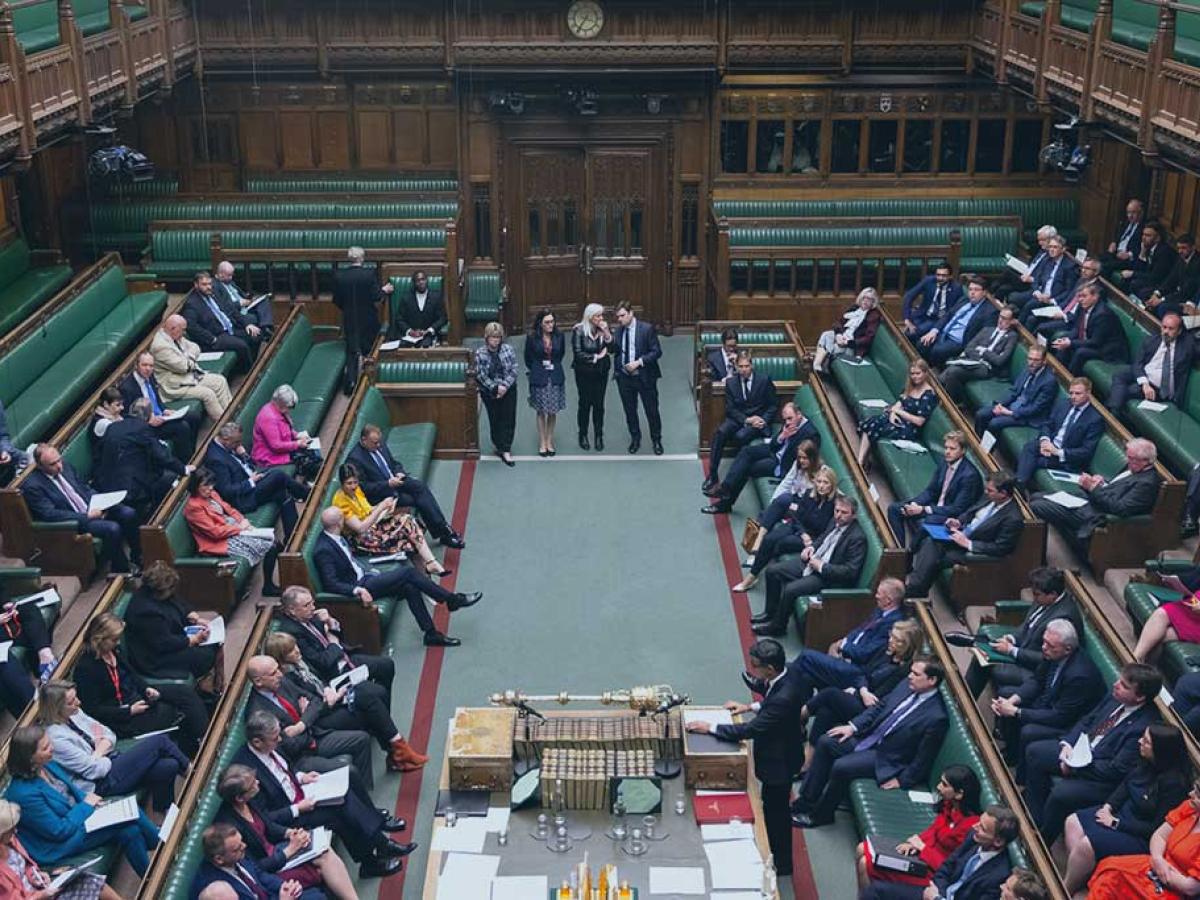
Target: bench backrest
{"x":284,"y":365}
{"x":422,"y":371}
{"x":34,"y":16}
{"x":329,"y":184}
{"x":14,"y":261}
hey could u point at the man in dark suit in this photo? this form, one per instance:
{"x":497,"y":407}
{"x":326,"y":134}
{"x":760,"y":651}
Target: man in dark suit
{"x":991,"y":527}
{"x":750,"y":407}
{"x":960,"y":323}
{"x":55,"y":493}
{"x":361,"y":826}
{"x":771,"y":458}
{"x":927,"y":301}
{"x":1153,"y":264}
{"x":1054,"y":788}
{"x":133,"y":459}
{"x":975,"y":871}
{"x":722,"y":361}
{"x":260,"y":314}
{"x":1009,"y":281}
{"x":1069,"y":439}
{"x":636,"y":351}
{"x":1052,"y":326}
{"x":1187,"y":700}
{"x":1093,"y":332}
{"x":893,"y":742}
{"x":304,"y":735}
{"x":1127,"y":239}
{"x":954,"y":487}
{"x":241,"y":484}
{"x":356,"y":292}
{"x":1028,"y":403}
{"x":141,"y":384}
{"x":341,"y":573}
{"x":834,"y":559}
{"x":1131,"y":492}
{"x":778,"y":735}
{"x":1162,"y":368}
{"x":1047,"y":586}
{"x":1065,"y":685}
{"x":381,"y":475}
{"x":218,"y":325}
{"x":985,"y":356}
{"x":420,"y":314}
{"x":1052,"y":282}
{"x":225,"y":863}
{"x":1182,"y":283}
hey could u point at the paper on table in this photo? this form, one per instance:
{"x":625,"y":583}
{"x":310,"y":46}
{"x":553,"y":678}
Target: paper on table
{"x":874,"y":403}
{"x":1070,"y":501}
{"x":520,"y":887}
{"x":1153,"y":405}
{"x":112,"y":812}
{"x":1063,"y":475}
{"x":733,"y":831}
{"x":470,"y":865}
{"x":41,"y":598}
{"x":4,"y":648}
{"x":209,"y":356}
{"x":329,"y":785}
{"x":168,"y":823}
{"x":497,"y":818}
{"x":459,"y":888}
{"x":106,"y":501}
{"x":711,"y":716}
{"x":718,"y":793}
{"x":216,"y":632}
{"x":734,"y":864}
{"x":268,"y":533}
{"x":390,"y":345}
{"x":1048,"y":312}
{"x":987,"y":441}
{"x":320,"y":839}
{"x":1081,"y":753}
{"x":922,"y":797}
{"x":1021,"y":268}
{"x":357,"y":675}
{"x":908,"y":446}
{"x":467,"y":836}
{"x":677,"y":880}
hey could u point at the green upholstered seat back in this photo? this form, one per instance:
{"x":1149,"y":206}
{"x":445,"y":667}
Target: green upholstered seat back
{"x":78,"y":452}
{"x":92,"y":15}
{"x":1109,"y":458}
{"x":36,"y":25}
{"x":284,"y":365}
{"x":422,"y":371}
{"x":1079,"y":14}
{"x":890,"y":360}
{"x":403,"y":288}
{"x":1097,"y":650}
{"x":1134,"y":23}
{"x":747,"y":336}
{"x":778,"y":367}
{"x":959,"y":749}
{"x":348,"y":184}
{"x":14,"y":261}
{"x":1187,"y":37}
{"x":483,"y":295}
{"x":1019,"y":361}
{"x":1135,"y":334}
{"x":108,"y":216}
{"x":1033,"y":8}
{"x":179,"y":535}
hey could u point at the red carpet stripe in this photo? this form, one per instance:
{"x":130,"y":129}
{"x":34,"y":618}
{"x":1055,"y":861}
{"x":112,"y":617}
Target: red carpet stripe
{"x":409,"y":796}
{"x":804,"y":886}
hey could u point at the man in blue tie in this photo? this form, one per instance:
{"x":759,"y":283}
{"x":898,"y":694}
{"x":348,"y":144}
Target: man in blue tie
{"x":140,"y":384}
{"x":959,"y":325}
{"x":1028,"y":403}
{"x":1069,"y":440}
{"x":975,"y":871}
{"x":1052,"y":282}
{"x":217,"y":325}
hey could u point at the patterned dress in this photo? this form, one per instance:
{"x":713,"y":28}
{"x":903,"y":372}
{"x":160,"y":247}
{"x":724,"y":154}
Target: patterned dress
{"x":397,"y":533}
{"x":880,"y":427}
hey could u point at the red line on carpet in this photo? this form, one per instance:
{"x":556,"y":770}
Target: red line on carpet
{"x":804,"y":885}
{"x":419,"y":729}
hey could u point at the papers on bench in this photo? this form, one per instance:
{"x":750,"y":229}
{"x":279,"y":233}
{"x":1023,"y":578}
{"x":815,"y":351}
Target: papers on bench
{"x":1048,"y":312}
{"x":1070,"y":501}
{"x":41,"y":598}
{"x":1063,"y":475}
{"x":1153,"y":406}
{"x":209,"y":356}
{"x":319,"y":840}
{"x":390,"y":345}
{"x":1081,"y":753}
{"x":922,"y":797}
{"x":357,"y":675}
{"x":102,"y":502}
{"x":963,"y":361}
{"x":907,"y":446}
{"x":112,"y":812}
{"x":677,"y":880}
{"x":1021,"y":268}
{"x":854,"y":361}
{"x":390,"y":557}
{"x":987,"y":441}
{"x":170,"y":415}
{"x":468,"y":876}
{"x":329,"y":788}
{"x":874,"y":404}
{"x":268,"y":533}
{"x":68,"y":875}
{"x":168,"y":822}
{"x":140,"y":737}
{"x":257,"y":300}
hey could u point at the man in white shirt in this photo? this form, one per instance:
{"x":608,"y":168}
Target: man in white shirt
{"x":1161,"y":370}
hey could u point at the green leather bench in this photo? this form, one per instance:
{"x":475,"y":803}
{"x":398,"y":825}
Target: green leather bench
{"x":1134,"y":23}
{"x":422,"y":371}
{"x":1187,"y":37}
{"x":91,"y":16}
{"x":44,"y":377}
{"x":1094,"y":645}
{"x":136,"y":11}
{"x":711,"y":339}
{"x":1141,"y":600}
{"x":36,"y":26}
{"x":18,"y":582}
{"x":23,"y":287}
{"x":158,"y":186}
{"x":347,"y":184}
{"x":1077,"y":14}
{"x":402,"y":288}
{"x":484,"y":296}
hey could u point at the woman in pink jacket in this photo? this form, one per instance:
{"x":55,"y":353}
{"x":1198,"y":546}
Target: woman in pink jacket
{"x":274,"y":438}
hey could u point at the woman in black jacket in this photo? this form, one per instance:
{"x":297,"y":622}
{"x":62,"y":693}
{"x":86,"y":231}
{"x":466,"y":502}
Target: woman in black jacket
{"x":591,"y":342}
{"x":544,"y":350}
{"x":164,"y":639}
{"x":1123,"y":825}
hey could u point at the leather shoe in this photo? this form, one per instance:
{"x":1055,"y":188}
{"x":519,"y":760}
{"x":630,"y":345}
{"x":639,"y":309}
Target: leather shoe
{"x":379,"y":868}
{"x":393,"y":823}
{"x":635,"y":446}
{"x":759,"y":618}
{"x":766,"y":629}
{"x":599,"y":442}
{"x":583,"y":442}
{"x":437,"y":639}
{"x":391,"y":848}
{"x":453,"y":539}
{"x":717,"y":490}
{"x":461,"y":601}
{"x":804,"y":820}
{"x":715,"y":509}
{"x":658,"y":448}
{"x":708,"y":486}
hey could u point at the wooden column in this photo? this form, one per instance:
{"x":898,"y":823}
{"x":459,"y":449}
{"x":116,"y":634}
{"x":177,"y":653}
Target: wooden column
{"x":118,"y":21}
{"x":1100,"y":33}
{"x":68,"y":32}
{"x":11,"y":53}
{"x":1051,"y":14}
{"x":1160,"y":48}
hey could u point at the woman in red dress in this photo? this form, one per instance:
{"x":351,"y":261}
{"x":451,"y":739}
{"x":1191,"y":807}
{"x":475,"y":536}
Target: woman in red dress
{"x":1175,"y":620}
{"x":958,"y":811}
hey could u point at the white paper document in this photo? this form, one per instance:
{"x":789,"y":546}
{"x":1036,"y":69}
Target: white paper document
{"x":497,"y":818}
{"x":854,"y":361}
{"x":329,"y":785}
{"x":1064,"y":475}
{"x":142,"y":737}
{"x":1153,"y":406}
{"x":170,"y":415}
{"x":320,"y":840}
{"x":267,"y":533}
{"x":1021,"y":268}
{"x":209,"y":356}
{"x":357,"y":675}
{"x":963,"y":361}
{"x":733,"y":831}
{"x":168,"y":823}
{"x":987,"y":441}
{"x":102,"y":502}
{"x":1081,"y":255}
{"x":711,"y":716}
{"x":677,"y":880}
{"x":4,"y":648}
{"x":1081,"y":753}
{"x":873,"y":491}
{"x":520,"y":887}
{"x":467,"y":836}
{"x":69,"y":875}
{"x":216,"y":632}
{"x":391,"y":557}
{"x":1048,"y":312}
{"x":1070,"y":501}
{"x":736,"y":895}
{"x":314,"y":444}
{"x":41,"y":598}
{"x":908,"y":446}
{"x":112,"y":812}
{"x":734,"y":865}
{"x":471,"y":865}
{"x":257,"y":300}
{"x":1190,"y":322}
{"x":922,"y":797}
{"x":874,"y":404}
{"x":390,"y":345}
{"x":1041,"y":340}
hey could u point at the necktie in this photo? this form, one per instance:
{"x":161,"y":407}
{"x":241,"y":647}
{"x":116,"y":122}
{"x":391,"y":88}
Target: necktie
{"x":254,"y":886}
{"x":1071,"y":304}
{"x":1167,"y":375}
{"x":358,"y":570}
{"x":996,"y":335}
{"x":1066,"y":427}
{"x":382,"y":463}
{"x":1081,"y":331}
{"x":887,"y":725}
{"x":292,"y":712}
{"x":152,"y":395}
{"x":288,"y":779}
{"x":745,"y":389}
{"x":1058,"y":667}
{"x":825,"y":551}
{"x":980,"y":517}
{"x":939,"y":302}
{"x":1049,"y":279}
{"x":945,"y":485}
{"x":1108,"y":724}
{"x":629,"y":344}
{"x":71,"y":494}
{"x":221,"y":317}
{"x":968,"y":870}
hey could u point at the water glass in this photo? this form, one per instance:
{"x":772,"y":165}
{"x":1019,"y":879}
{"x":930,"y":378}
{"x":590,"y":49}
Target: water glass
{"x":451,"y":817}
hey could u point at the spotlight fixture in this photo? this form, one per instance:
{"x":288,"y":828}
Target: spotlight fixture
{"x":654,"y":103}
{"x":513,"y":101}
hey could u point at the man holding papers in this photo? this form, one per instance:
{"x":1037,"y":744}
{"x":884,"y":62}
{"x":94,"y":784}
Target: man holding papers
{"x":243,"y":485}
{"x":55,"y":493}
{"x":985,"y":356}
{"x":180,"y":432}
{"x":1058,"y":784}
{"x":1131,"y":492}
{"x":134,"y":460}
{"x":1028,"y":403}
{"x":256,"y":310}
{"x":1052,"y":281}
{"x":1070,"y":438}
{"x":954,"y":486}
{"x":960,"y":323}
{"x":1161,"y":370}
{"x":1092,"y":331}
{"x":1051,"y":321}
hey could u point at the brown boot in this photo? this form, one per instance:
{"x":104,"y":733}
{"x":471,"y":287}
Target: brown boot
{"x":396,"y":762}
{"x":405,"y":753}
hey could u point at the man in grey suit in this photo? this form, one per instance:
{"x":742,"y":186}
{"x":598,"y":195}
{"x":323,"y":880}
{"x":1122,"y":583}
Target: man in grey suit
{"x":985,"y":356}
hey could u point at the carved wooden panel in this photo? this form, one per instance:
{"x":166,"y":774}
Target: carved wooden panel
{"x":411,"y":137}
{"x":296,"y":140}
{"x":374,"y":139}
{"x":259,"y":136}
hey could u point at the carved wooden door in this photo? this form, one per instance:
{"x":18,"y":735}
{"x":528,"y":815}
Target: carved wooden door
{"x":552,"y":212}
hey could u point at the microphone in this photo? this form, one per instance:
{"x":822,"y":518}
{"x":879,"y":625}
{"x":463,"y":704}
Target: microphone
{"x":671,"y":702}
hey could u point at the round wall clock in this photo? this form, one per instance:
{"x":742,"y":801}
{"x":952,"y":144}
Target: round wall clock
{"x":585,"y":18}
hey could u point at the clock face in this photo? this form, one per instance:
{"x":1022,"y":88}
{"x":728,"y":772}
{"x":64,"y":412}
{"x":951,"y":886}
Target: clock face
{"x":585,"y":18}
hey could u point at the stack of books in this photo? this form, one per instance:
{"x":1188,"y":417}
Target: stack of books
{"x":586,"y":775}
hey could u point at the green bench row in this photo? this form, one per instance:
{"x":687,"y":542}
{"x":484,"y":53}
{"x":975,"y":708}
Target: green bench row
{"x":1141,"y":599}
{"x":167,"y":185}
{"x":1134,"y":24}
{"x":37,"y":28}
{"x":23,"y":287}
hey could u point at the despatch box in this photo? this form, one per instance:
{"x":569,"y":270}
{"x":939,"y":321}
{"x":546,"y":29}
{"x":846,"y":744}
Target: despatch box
{"x":710,"y":764}
{"x":480,"y":752}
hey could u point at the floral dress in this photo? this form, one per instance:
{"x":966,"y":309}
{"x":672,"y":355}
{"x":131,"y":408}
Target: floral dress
{"x":397,"y":533}
{"x":880,"y":427}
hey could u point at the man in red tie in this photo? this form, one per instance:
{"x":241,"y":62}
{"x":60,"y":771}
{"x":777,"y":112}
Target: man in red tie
{"x":225,"y":862}
{"x":954,"y":487}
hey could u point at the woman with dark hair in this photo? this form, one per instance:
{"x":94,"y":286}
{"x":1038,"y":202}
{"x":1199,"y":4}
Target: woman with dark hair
{"x":22,"y":879}
{"x":958,"y":810}
{"x":110,"y":409}
{"x":164,"y":638}
{"x":1122,"y":826}
{"x":381,"y":530}
{"x":544,"y":350}
{"x":53,"y":809}
{"x":220,"y":530}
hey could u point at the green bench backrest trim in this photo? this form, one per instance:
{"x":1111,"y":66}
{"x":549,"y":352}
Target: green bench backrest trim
{"x":422,"y":371}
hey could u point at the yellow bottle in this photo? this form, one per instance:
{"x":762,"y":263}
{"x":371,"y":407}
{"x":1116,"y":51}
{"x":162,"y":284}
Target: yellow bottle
{"x":565,"y":892}
{"x":625,"y":892}
{"x":602,"y":883}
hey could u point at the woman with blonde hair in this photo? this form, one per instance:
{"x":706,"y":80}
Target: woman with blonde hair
{"x":790,"y":523}
{"x":496,"y":375}
{"x":904,"y":419}
{"x":22,"y":879}
{"x":852,"y":334}
{"x":591,"y":341}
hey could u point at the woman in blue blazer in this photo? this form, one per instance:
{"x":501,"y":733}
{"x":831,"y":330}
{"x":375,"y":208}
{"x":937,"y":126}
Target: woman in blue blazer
{"x":53,"y":810}
{"x":544,"y":350}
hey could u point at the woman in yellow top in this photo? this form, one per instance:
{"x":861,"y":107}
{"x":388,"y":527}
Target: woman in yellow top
{"x":381,"y":529}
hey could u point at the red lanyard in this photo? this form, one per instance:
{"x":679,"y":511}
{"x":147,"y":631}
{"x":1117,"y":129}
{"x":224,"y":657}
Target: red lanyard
{"x":115,"y":679}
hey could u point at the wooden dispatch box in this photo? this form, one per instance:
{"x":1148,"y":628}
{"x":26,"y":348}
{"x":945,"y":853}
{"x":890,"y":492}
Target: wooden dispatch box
{"x":709,"y":764}
{"x":480,"y":751}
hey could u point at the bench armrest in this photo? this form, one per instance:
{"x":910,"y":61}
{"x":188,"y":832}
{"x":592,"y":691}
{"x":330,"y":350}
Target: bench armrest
{"x":204,"y":562}
{"x":843,"y":593}
{"x":70,"y":527}
{"x":20,"y":573}
{"x":1171,"y":566}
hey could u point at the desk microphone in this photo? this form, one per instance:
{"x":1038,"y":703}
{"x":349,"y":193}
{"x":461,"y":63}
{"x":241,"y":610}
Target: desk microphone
{"x":671,"y":702}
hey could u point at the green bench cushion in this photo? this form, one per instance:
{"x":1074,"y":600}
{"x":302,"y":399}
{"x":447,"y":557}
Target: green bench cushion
{"x":349,"y":184}
{"x":1034,"y":8}
{"x":91,"y":16}
{"x":422,"y":372}
{"x":484,"y":296}
{"x":751,"y":335}
{"x":1134,"y":23}
{"x":23,"y":289}
{"x":1079,"y":14}
{"x":36,"y":26}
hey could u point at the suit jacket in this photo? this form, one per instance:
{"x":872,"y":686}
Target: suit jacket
{"x":1032,"y":398}
{"x":131,"y":390}
{"x":777,"y":732}
{"x":985,"y":881}
{"x":1182,"y":357}
{"x":996,"y":359}
{"x":1029,"y":635}
{"x":207,"y":874}
{"x":1103,"y":334}
{"x":1058,"y":283}
{"x":997,"y":535}
{"x":210,"y":529}
{"x":1117,"y":752}
{"x":325,"y":659}
{"x":1150,"y":273}
{"x":203,"y":325}
{"x":333,"y":568}
{"x":175,"y":365}
{"x":291,"y":747}
{"x":271,"y":797}
{"x":1062,"y":703}
{"x":1135,"y":241}
{"x":132,"y":459}
{"x":965,"y":489}
{"x":410,"y":317}
{"x":264,"y":857}
{"x":356,"y":293}
{"x":154,"y":630}
{"x":1082,"y":438}
{"x":862,"y":643}
{"x":77,"y":755}
{"x":48,"y":504}
{"x":535,"y":356}
{"x":849,"y":555}
{"x":231,"y":480}
{"x":907,"y":752}
{"x":761,"y":401}
{"x":645,"y":344}
{"x":372,"y":480}
{"x":918,"y":301}
{"x":716,"y":364}
{"x":784,"y":450}
{"x":1133,"y":495}
{"x":1183,"y":281}
{"x":51,"y":828}
{"x":984,"y":314}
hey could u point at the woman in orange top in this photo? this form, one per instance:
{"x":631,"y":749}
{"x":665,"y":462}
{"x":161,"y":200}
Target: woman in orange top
{"x":220,"y":530}
{"x":1170,"y":871}
{"x":958,"y":812}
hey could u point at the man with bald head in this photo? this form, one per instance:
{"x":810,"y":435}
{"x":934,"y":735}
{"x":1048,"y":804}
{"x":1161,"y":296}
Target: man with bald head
{"x":1161,"y":369}
{"x":176,"y":363}
{"x":260,"y":314}
{"x":140,"y":384}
